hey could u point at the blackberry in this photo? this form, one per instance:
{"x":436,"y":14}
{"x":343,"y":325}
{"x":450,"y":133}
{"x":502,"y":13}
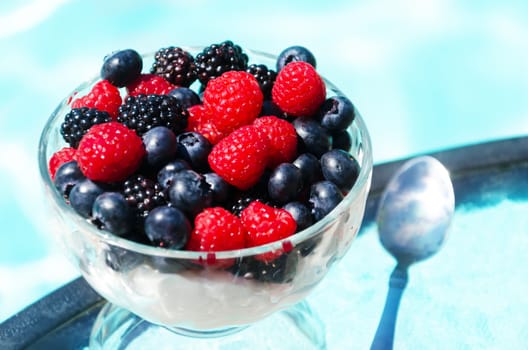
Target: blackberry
{"x":77,"y":122}
{"x":175,"y":65}
{"x":143,"y":195}
{"x":143,"y":112}
{"x":244,"y":200}
{"x":219,"y":58}
{"x":265,"y":77}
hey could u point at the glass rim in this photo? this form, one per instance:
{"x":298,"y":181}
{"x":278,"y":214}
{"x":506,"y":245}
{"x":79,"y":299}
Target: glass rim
{"x":363,"y":179}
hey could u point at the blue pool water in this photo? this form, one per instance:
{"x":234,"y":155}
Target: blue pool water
{"x":425,"y":76}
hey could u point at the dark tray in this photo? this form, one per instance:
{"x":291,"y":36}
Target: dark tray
{"x":64,"y":318}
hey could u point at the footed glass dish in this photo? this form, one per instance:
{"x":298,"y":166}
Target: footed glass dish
{"x":181,"y":299}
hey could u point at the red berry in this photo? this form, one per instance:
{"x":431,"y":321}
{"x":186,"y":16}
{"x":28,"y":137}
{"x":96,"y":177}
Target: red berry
{"x":103,"y":96}
{"x":148,"y":84}
{"x":241,"y":157}
{"x":60,"y":157}
{"x":110,"y":152}
{"x":200,"y":121}
{"x":282,"y":139}
{"x":216,"y":229}
{"x":299,"y":90}
{"x":234,"y":99}
{"x":265,"y":224}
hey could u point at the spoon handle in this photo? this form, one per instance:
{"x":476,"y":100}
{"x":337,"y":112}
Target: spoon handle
{"x":384,"y":338}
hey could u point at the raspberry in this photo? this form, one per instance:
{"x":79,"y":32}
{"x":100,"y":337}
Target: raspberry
{"x":110,"y":152}
{"x":299,"y":90}
{"x":200,"y":121}
{"x":103,"y":96}
{"x":219,"y":58}
{"x":175,"y":65}
{"x":282,"y":139}
{"x":216,"y":229}
{"x":265,"y":224}
{"x":77,"y":122}
{"x":144,"y":112}
{"x":234,"y":99}
{"x":60,"y":157}
{"x":241,"y":157}
{"x":148,"y":84}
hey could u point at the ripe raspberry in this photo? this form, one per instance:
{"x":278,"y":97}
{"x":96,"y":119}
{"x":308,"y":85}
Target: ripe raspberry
{"x":265,"y":224}
{"x":148,"y":84}
{"x":282,"y":139}
{"x":103,"y":96}
{"x":110,"y":152}
{"x":241,"y":157}
{"x":216,"y":229}
{"x":299,"y":90}
{"x":234,"y":99}
{"x":60,"y":157}
{"x":202,"y":122}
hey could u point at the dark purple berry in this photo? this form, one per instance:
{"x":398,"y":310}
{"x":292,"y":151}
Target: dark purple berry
{"x":310,"y":168}
{"x":313,"y":137}
{"x":166,"y":174}
{"x":295,"y":54}
{"x":190,"y":192}
{"x":336,"y":113}
{"x":185,"y":96}
{"x":220,"y":188}
{"x":167,"y":227}
{"x":341,"y":140}
{"x":112,"y":213}
{"x":194,"y":148}
{"x":324,"y":197}
{"x":67,"y":176}
{"x":83,"y":195}
{"x":341,"y":168}
{"x":160,"y":144}
{"x":285,"y":183}
{"x":301,"y":213}
{"x":122,"y":67}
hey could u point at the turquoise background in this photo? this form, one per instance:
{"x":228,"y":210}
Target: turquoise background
{"x":425,"y":75}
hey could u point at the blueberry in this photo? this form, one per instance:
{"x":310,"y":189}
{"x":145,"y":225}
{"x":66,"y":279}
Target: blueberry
{"x":310,"y":168}
{"x":341,"y":168}
{"x":67,"y":176}
{"x":280,"y":270}
{"x":342,"y":140}
{"x":313,"y":137}
{"x":167,"y":227}
{"x":336,"y":113}
{"x":221,"y":189}
{"x":285,"y":183}
{"x":185,"y":96}
{"x":82,"y":196}
{"x":160,"y":144}
{"x":122,"y":67}
{"x":166,"y":173}
{"x":111,"y":212}
{"x":301,"y":213}
{"x":194,"y":148}
{"x":270,"y":108}
{"x":190,"y":192}
{"x":324,"y":196}
{"x":295,"y":53}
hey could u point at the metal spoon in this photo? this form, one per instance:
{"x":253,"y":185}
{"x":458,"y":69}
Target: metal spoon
{"x":414,"y":213}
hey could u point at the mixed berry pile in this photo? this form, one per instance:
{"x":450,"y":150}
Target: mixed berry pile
{"x":206,"y":152}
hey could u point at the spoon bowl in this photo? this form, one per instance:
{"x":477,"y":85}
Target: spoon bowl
{"x":415,"y":210}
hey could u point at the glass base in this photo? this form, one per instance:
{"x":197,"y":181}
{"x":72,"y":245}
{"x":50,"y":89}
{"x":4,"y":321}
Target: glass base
{"x":295,"y":328}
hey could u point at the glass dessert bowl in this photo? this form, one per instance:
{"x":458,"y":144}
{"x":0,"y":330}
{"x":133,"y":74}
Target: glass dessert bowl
{"x":204,"y":294}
